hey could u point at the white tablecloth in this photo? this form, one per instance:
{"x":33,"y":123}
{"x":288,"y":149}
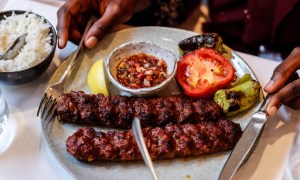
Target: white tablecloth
{"x":24,"y":155}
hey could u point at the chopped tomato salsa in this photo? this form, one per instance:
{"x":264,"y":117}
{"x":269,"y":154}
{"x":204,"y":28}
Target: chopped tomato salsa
{"x":141,"y":71}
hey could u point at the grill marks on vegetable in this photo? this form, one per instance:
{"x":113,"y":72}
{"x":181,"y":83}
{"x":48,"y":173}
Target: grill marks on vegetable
{"x":141,"y":71}
{"x":118,"y":111}
{"x":206,"y":40}
{"x":162,"y":142}
{"x":237,"y":97}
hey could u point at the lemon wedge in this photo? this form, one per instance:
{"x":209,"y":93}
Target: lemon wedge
{"x":96,"y":78}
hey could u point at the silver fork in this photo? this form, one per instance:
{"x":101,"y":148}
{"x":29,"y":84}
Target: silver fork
{"x":48,"y":102}
{"x":138,"y":136}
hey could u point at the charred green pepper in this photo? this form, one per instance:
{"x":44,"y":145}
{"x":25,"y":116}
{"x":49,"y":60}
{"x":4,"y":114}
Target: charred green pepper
{"x":240,"y":97}
{"x":207,"y":40}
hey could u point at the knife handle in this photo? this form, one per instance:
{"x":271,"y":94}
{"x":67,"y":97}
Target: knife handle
{"x":80,"y":48}
{"x":265,"y":103}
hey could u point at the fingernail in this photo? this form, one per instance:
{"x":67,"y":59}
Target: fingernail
{"x":272,"y":110}
{"x":269,"y":85}
{"x":59,"y":42}
{"x":91,"y":42}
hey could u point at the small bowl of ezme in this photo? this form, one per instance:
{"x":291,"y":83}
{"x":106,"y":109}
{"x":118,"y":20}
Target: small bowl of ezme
{"x":141,"y":68}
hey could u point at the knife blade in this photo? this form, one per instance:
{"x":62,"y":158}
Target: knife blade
{"x":245,"y":146}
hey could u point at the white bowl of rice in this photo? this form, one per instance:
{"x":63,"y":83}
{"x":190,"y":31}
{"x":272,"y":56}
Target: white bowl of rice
{"x":35,"y":56}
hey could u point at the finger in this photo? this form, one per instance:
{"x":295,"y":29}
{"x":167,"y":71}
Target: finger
{"x":283,"y":71}
{"x":294,"y":103}
{"x":81,"y":21}
{"x":273,"y":106}
{"x":293,"y":77}
{"x":112,"y":16}
{"x":75,"y":35}
{"x":63,"y":23}
{"x":75,"y":32}
{"x":284,"y":96}
{"x":64,"y":17}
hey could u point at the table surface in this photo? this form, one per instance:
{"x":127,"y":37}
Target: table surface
{"x":24,"y":154}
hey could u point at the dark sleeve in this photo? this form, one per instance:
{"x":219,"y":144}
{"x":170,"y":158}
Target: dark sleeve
{"x":174,"y":12}
{"x":227,"y":18}
{"x":165,"y":13}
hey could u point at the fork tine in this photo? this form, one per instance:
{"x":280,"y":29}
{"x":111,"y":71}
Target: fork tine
{"x":53,"y":115}
{"x":48,"y":103}
{"x":43,"y":108}
{"x":51,"y":110}
{"x":49,"y":118}
{"x":44,"y":105}
{"x":41,"y":104}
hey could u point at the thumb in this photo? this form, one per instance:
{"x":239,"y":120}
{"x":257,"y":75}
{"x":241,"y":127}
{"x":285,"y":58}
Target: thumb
{"x":96,"y":33}
{"x":112,"y":16}
{"x":99,"y":30}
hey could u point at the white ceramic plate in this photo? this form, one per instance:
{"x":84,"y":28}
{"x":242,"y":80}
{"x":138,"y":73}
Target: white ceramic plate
{"x":205,"y":167}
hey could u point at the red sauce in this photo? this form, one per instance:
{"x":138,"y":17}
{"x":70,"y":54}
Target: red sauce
{"x":141,"y":71}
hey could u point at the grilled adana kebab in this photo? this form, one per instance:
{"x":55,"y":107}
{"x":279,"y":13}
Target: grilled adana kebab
{"x":162,"y":142}
{"x":119,"y":111}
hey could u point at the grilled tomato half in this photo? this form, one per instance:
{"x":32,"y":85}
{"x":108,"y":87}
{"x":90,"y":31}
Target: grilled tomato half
{"x":202,"y":72}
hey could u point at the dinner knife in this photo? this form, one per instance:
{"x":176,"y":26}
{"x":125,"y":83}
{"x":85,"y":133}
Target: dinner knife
{"x":246,"y":144}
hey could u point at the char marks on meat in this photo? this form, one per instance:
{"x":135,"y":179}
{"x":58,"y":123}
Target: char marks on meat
{"x":118,"y":111}
{"x":162,"y":142}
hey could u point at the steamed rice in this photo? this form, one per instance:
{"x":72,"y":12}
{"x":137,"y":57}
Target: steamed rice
{"x":37,"y":45}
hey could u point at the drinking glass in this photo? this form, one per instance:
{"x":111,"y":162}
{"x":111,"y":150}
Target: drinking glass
{"x":3,"y":113}
{"x":293,"y":164}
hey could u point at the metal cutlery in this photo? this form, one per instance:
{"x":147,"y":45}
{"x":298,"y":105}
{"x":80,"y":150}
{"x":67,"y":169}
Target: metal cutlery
{"x":13,"y":51}
{"x":138,"y":135}
{"x":246,"y":144}
{"x":48,"y":102}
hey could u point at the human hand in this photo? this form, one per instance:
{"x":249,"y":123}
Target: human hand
{"x":74,"y":14}
{"x":285,"y":76}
